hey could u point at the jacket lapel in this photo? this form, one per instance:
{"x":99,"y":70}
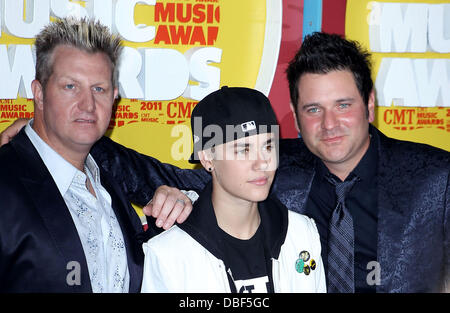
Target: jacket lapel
{"x":294,"y":175}
{"x":131,"y":229}
{"x":392,"y":204}
{"x":42,"y":189}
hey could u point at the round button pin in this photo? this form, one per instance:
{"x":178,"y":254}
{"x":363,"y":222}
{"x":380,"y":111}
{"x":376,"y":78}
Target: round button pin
{"x":299,"y":264}
{"x":312,"y":264}
{"x":306,"y":270}
{"x":304,"y":255}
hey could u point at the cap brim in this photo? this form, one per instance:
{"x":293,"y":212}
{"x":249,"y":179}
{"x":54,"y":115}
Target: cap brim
{"x":193,"y":160}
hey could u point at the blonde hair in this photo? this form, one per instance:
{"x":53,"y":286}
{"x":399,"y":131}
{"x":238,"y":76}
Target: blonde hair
{"x":84,"y":34}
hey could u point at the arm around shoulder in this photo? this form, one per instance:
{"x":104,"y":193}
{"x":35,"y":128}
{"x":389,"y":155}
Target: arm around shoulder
{"x":140,"y":175}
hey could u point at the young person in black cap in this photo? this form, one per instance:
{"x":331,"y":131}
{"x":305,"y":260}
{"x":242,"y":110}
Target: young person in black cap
{"x":236,"y":239}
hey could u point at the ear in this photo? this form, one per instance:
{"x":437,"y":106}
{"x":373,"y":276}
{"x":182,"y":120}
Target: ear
{"x":38,"y":94}
{"x":294,"y":112}
{"x":205,"y":158}
{"x":116,"y":93}
{"x":371,"y":107}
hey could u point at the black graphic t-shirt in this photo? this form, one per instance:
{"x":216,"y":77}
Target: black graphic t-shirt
{"x":246,"y":260}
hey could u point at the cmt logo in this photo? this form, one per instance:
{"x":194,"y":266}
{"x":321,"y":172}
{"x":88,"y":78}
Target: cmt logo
{"x":399,"y":116}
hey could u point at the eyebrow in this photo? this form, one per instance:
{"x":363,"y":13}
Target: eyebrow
{"x":309,"y":105}
{"x":244,"y":145}
{"x":78,"y":80}
{"x":314,"y":104}
{"x":345,"y":100}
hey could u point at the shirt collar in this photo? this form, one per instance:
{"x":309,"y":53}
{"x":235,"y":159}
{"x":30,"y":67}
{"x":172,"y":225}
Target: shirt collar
{"x":61,"y":170}
{"x":92,"y":167}
{"x":366,"y":169}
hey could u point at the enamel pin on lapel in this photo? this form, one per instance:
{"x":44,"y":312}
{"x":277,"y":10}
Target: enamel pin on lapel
{"x":302,"y":265}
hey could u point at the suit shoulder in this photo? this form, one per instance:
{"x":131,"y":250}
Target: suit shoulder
{"x":417,"y":147}
{"x":294,"y":152}
{"x":9,"y":163}
{"x":289,"y":145}
{"x":7,"y":153}
{"x":105,"y":144}
{"x":417,"y":153}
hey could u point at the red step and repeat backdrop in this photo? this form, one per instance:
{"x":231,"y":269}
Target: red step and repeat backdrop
{"x":178,"y":51}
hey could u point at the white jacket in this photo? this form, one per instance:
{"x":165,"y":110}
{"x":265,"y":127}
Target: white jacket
{"x":176,"y":262}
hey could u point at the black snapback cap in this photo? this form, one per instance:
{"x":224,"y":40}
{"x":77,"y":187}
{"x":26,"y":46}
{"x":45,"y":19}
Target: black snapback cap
{"x":228,"y":114}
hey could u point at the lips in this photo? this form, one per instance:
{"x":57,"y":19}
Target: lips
{"x":260,"y":181}
{"x":334,"y":139}
{"x":85,"y":120}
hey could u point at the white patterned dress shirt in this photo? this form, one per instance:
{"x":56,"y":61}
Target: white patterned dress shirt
{"x":93,"y":216}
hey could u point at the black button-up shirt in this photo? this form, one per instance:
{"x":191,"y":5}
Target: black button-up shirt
{"x":361,"y":201}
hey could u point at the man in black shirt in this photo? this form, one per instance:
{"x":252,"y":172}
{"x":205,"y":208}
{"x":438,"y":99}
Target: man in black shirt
{"x":333,"y":111}
{"x":362,"y":204}
{"x":399,"y":202}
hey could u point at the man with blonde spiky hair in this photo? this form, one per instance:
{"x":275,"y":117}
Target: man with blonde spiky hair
{"x":88,"y":35}
{"x":65,"y":225}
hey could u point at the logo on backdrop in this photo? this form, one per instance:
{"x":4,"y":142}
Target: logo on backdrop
{"x":412,"y":82}
{"x":152,"y":67}
{"x":410,"y":46}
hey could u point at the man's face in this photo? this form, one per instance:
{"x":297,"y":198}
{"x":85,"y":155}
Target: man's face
{"x":333,"y":119}
{"x":74,"y":110}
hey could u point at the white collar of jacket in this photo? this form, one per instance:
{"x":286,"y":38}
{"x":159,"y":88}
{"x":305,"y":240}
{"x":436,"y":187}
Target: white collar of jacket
{"x":202,"y":224}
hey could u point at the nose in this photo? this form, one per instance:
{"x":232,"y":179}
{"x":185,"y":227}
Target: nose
{"x":329,"y":120}
{"x":262,"y":162}
{"x":86,"y":102}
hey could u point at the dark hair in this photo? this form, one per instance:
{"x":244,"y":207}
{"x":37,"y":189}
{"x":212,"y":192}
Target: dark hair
{"x":322,"y":53}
